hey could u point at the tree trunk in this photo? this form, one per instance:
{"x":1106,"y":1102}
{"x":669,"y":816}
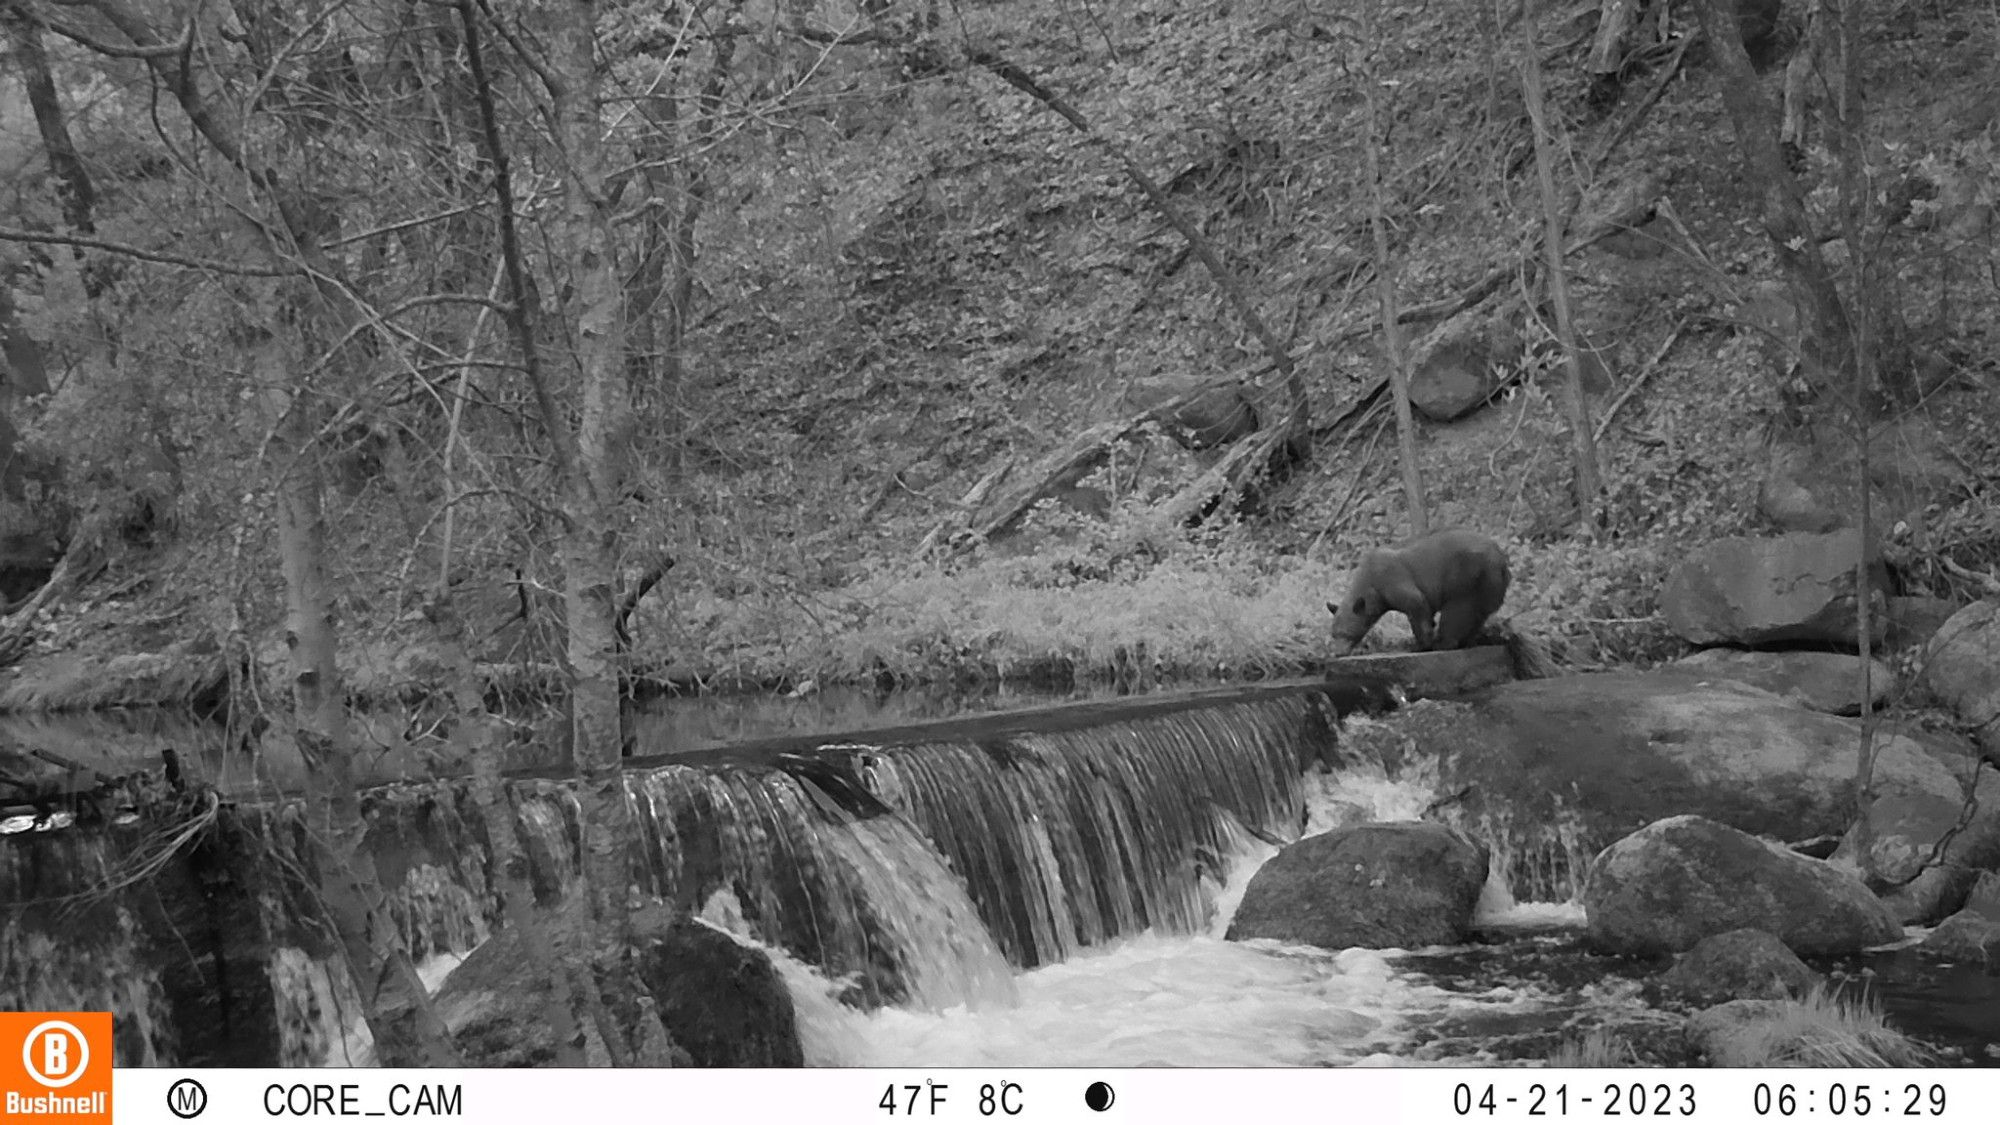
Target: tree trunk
{"x":476,"y":732}
{"x":479,"y":734}
{"x":73,"y":184}
{"x":1385,"y":289}
{"x":662,"y":287}
{"x":589,"y":473}
{"x":589,"y":542}
{"x":1874,"y":299}
{"x":1828,"y":352}
{"x":1583,"y":449}
{"x":13,"y":478}
{"x":406,"y":1028}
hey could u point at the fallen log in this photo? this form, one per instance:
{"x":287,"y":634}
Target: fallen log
{"x":76,"y":568}
{"x":1074,"y":459}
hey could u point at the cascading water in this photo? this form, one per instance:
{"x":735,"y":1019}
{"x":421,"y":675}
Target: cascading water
{"x":860,"y":896}
{"x":1100,"y":852}
{"x":1539,"y":854}
{"x":902,"y":870}
{"x":1185,"y":997}
{"x":96,"y":966}
{"x":1067,"y":839}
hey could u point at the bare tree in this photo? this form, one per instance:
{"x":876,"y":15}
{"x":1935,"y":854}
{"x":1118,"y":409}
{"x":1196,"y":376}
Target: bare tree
{"x":1874,"y":303}
{"x":1828,"y":338}
{"x":558,"y":46}
{"x":1385,"y":282}
{"x":310,"y":302}
{"x":1583,"y":449}
{"x":73,"y":182}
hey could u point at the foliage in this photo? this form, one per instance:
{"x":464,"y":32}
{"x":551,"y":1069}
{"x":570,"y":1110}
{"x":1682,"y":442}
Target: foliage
{"x":1599,"y":1047}
{"x":1073,"y":608}
{"x":909,"y":276}
{"x":1823,"y":1029}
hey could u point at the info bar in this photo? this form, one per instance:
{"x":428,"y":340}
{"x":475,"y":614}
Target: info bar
{"x":1413,"y":1095}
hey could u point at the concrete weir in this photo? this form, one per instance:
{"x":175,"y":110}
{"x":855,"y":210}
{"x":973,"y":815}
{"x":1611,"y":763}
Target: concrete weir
{"x":924,"y":864}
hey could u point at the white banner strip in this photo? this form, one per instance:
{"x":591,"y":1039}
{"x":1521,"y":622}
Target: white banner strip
{"x":1420,"y":1096}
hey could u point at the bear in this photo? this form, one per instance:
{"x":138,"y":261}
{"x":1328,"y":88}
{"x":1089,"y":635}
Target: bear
{"x":1447,"y":583}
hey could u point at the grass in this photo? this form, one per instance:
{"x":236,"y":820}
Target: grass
{"x":1821,"y":1029}
{"x":1597,"y":1049}
{"x":1090,"y":609}
{"x":1108,"y":598}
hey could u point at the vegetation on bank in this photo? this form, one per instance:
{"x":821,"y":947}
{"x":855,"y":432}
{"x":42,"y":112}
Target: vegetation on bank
{"x":1175,"y":607}
{"x":856,"y":368}
{"x":1819,"y":1029}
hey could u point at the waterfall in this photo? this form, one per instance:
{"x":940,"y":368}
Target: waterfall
{"x":854,"y":891}
{"x":916,"y":868}
{"x":1070,"y":838}
{"x":67,"y":944}
{"x":1539,"y":858}
{"x":1384,"y":771}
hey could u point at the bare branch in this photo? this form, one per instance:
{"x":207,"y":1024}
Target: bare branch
{"x":393,"y":228}
{"x":560,"y":438}
{"x":145,"y":51}
{"x":14,"y":234}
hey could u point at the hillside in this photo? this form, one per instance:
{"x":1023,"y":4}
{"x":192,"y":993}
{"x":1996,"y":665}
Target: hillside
{"x":911,"y":275}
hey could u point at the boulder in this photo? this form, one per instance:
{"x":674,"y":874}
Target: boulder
{"x":1093,"y":502}
{"x":1721,"y":1034}
{"x":1972,"y":934}
{"x":1765,"y":1033}
{"x":722,"y":1001}
{"x":1962,"y":669}
{"x":1377,"y":886}
{"x":1457,"y":366}
{"x":1811,"y":480}
{"x":1926,"y":848}
{"x":1548,"y":772}
{"x":1738,"y":965}
{"x":1786,"y":589}
{"x":1671,"y":884}
{"x":1823,"y":681}
{"x":1786,"y":497}
{"x":496,"y":1004}
{"x":1219,"y":415}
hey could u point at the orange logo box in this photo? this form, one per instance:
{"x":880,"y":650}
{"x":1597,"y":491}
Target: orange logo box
{"x":55,"y":1068}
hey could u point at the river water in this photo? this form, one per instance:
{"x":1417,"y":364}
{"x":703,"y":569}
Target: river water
{"x":1197,"y":1000}
{"x":1529,"y":986}
{"x":1193,"y":999}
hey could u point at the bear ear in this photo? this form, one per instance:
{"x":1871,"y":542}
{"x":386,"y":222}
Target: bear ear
{"x":1333,"y":609}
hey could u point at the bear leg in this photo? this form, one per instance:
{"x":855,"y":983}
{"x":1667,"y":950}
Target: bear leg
{"x":1460,"y":621}
{"x":1422,"y":628}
